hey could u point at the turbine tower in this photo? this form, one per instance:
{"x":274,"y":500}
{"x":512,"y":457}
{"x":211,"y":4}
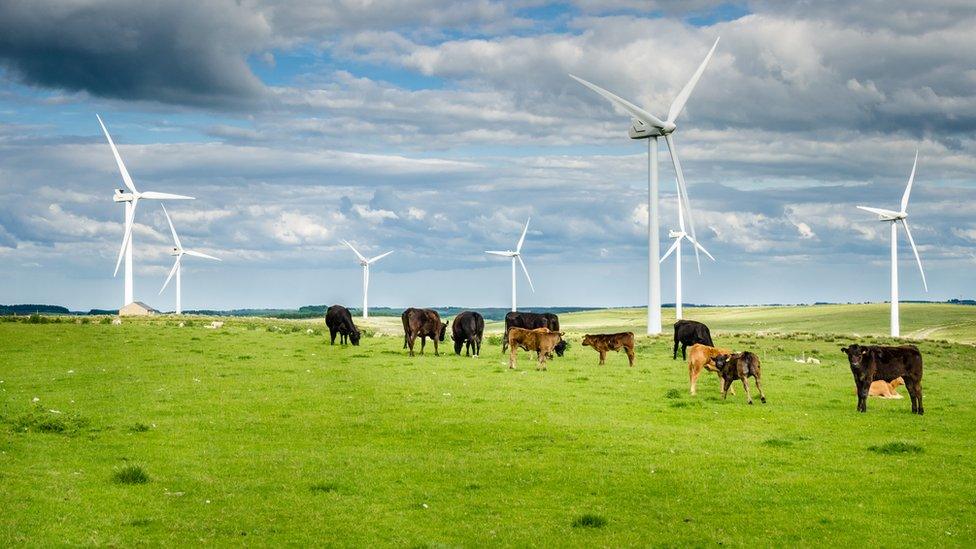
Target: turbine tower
{"x":645,"y":125}
{"x":675,"y":248}
{"x":366,"y":263}
{"x":179,"y":252}
{"x":516,"y":255}
{"x":894,"y":218}
{"x":131,"y":200}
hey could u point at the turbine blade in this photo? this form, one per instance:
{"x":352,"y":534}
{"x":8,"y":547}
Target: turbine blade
{"x":164,"y":196}
{"x":526,"y":271}
{"x":518,"y":247}
{"x":700,"y":247}
{"x":633,"y":109}
{"x":381,"y":256}
{"x":679,"y":102}
{"x":670,"y":250}
{"x":881,"y":212}
{"x":126,"y":178}
{"x":126,"y":235}
{"x":503,"y":254}
{"x":684,"y":193}
{"x":355,"y":251}
{"x":200,"y":254}
{"x":914,"y":249}
{"x":908,"y":189}
{"x":176,"y":265}
{"x":172,"y":229}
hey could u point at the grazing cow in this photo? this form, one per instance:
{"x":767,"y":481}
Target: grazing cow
{"x":339,"y":321}
{"x":541,"y":340}
{"x":423,"y":323}
{"x":870,"y":363}
{"x":883,"y":389}
{"x":688,"y":333}
{"x":703,"y":356}
{"x":531,"y":321}
{"x":611,"y":342}
{"x":740,"y":366}
{"x":467,"y":329}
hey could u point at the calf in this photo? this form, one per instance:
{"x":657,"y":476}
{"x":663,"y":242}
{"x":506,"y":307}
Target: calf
{"x":531,"y":321}
{"x":703,"y":356}
{"x":688,"y":333}
{"x":870,"y":363}
{"x":883,"y":389}
{"x":422,"y":323}
{"x":467,"y":329}
{"x":541,"y":340}
{"x":611,"y":342}
{"x":339,"y":321}
{"x":740,"y":366}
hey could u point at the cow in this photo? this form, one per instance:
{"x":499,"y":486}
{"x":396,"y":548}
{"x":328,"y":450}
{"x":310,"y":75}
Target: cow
{"x":339,"y":321}
{"x":740,"y":366}
{"x":703,"y":356}
{"x":530,"y":321}
{"x":603,"y":343}
{"x":870,"y":363}
{"x":467,"y":329}
{"x":422,"y":323}
{"x":687,"y":333}
{"x":541,"y":340}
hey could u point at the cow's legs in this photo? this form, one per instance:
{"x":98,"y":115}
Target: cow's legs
{"x":722,"y":380}
{"x":915,"y":392}
{"x":542,"y":360}
{"x":603,"y":357}
{"x":683,"y":349}
{"x":332,"y":333}
{"x":693,"y":378}
{"x":409,"y":341}
{"x":745,"y":383}
{"x":762,"y":397}
{"x":467,"y":347}
{"x":511,"y":356}
{"x":423,"y":343}
{"x":863,"y":389}
{"x":436,"y":351}
{"x":477,"y":346}
{"x":630,"y":356}
{"x":726,"y":383}
{"x":674,"y":355}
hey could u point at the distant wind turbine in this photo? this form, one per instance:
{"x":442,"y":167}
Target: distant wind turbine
{"x":894,"y":218}
{"x":516,"y":255}
{"x":676,"y":249}
{"x":645,"y":125}
{"x":366,"y":263}
{"x":131,"y":200}
{"x":179,"y":252}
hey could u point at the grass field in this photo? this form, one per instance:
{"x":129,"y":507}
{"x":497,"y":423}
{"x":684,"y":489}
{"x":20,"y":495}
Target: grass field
{"x":260,"y":433}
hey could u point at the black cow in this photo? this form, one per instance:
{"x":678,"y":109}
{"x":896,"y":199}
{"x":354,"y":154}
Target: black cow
{"x":531,"y":321}
{"x":422,"y":323}
{"x":870,"y":363}
{"x":339,"y":321}
{"x":689,"y":332}
{"x":468,"y":328}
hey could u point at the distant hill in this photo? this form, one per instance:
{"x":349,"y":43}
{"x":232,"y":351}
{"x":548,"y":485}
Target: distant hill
{"x":31,"y":309}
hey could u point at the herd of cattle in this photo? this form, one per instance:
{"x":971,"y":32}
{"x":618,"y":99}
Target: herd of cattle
{"x":877,"y":369}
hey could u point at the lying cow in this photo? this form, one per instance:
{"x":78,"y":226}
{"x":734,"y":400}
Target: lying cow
{"x":603,"y":343}
{"x":703,"y":356}
{"x":688,"y":333}
{"x":339,"y":321}
{"x":870,"y":363}
{"x":531,"y":321}
{"x":883,"y":389}
{"x":541,"y":340}
{"x":467,"y":329}
{"x":740,"y":366}
{"x":422,"y":323}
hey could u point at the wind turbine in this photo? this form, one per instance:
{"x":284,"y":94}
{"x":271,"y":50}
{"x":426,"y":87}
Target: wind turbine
{"x":645,"y":125}
{"x":179,"y":252}
{"x":131,"y":200}
{"x":516,"y":255}
{"x":675,"y":248}
{"x":894,"y":217}
{"x":366,"y":263}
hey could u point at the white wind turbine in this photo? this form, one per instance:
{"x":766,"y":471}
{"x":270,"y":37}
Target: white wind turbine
{"x":645,"y":125}
{"x":894,"y":217}
{"x":179,"y":252}
{"x":131,"y":200}
{"x":366,"y":263}
{"x":676,"y":249}
{"x":516,"y":255}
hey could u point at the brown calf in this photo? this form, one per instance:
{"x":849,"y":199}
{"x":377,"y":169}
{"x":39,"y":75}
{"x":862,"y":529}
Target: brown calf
{"x":740,"y":366}
{"x":541,"y":340}
{"x":703,"y":356}
{"x":603,"y":343}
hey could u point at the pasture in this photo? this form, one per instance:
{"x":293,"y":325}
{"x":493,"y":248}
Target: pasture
{"x":261,"y":433}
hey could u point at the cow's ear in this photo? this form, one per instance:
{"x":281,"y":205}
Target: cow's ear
{"x":845,"y":350}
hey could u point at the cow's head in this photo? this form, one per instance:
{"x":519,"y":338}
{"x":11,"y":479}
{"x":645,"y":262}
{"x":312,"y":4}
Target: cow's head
{"x":354,"y":337}
{"x":560,"y":347}
{"x":587,"y":340}
{"x":855,"y":355}
{"x":722,"y":361}
{"x":443,"y":333}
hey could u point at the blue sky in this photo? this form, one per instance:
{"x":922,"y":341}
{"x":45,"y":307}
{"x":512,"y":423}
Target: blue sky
{"x":436,"y":128}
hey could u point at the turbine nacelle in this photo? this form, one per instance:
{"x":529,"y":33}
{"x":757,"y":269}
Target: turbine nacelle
{"x":640,"y":130}
{"x":885,"y":215}
{"x":676,"y":234}
{"x":123,"y":196}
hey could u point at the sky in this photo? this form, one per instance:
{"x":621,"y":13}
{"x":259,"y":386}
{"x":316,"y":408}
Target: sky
{"x":436,"y":128}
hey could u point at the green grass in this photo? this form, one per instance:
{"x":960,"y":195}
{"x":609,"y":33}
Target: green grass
{"x":275,"y":438}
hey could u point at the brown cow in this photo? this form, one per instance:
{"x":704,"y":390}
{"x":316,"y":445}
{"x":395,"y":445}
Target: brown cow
{"x":423,"y":323}
{"x":611,"y":342}
{"x":870,"y":363}
{"x":541,"y":340}
{"x":703,"y":356}
{"x":740,"y":366}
